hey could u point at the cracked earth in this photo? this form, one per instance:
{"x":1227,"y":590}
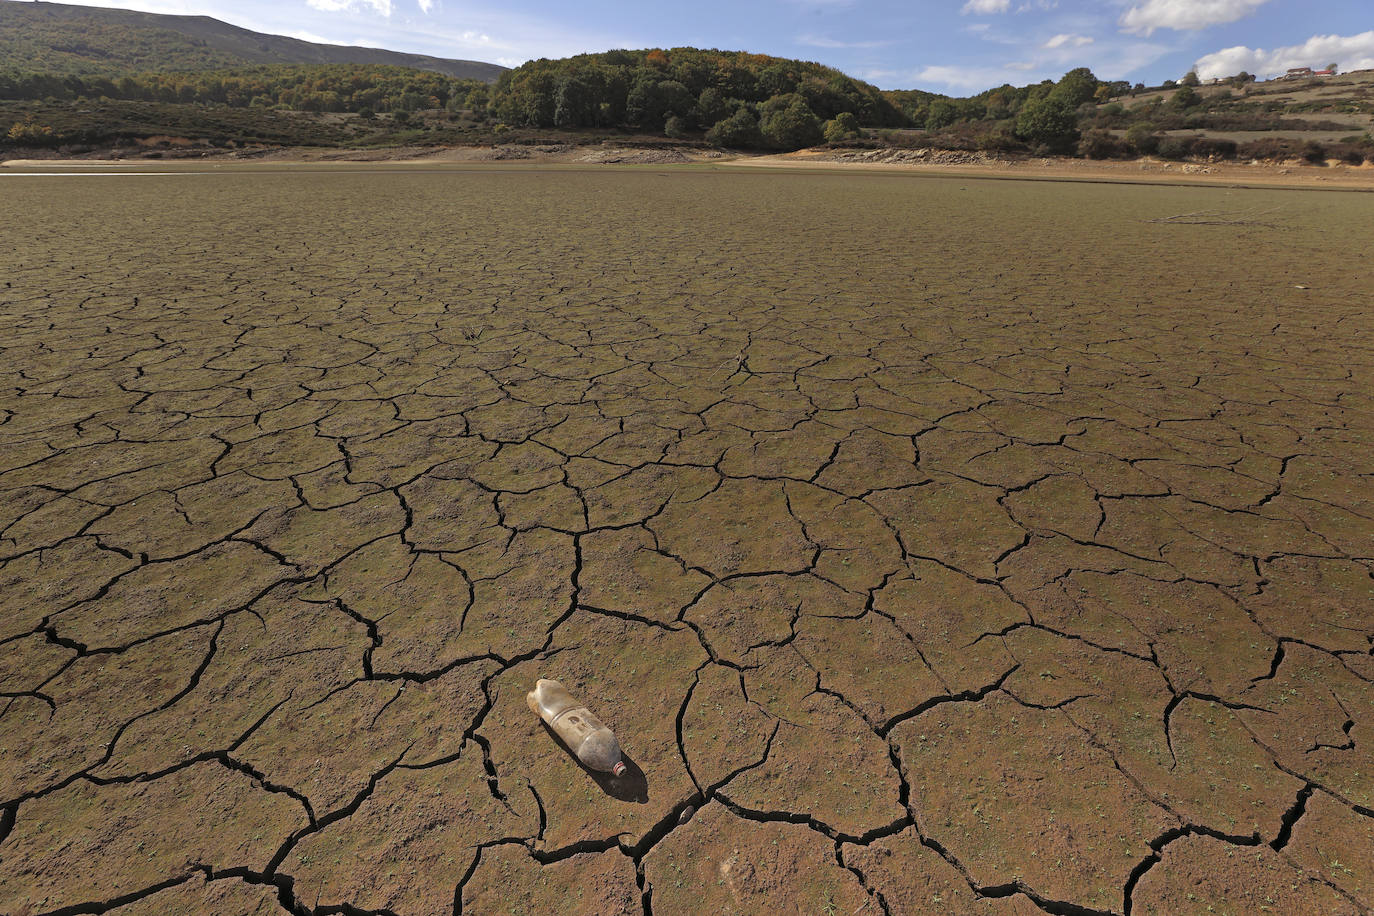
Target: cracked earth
{"x":932,"y":545}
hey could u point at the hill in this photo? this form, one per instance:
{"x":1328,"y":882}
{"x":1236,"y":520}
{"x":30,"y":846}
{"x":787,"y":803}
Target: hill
{"x":737,"y":98}
{"x":62,"y":39}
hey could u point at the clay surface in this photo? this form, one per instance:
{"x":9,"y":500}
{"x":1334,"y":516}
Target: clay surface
{"x":931,"y":544}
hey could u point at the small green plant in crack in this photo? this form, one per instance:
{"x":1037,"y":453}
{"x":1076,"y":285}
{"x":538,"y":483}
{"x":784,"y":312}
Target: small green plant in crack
{"x":472,"y":332}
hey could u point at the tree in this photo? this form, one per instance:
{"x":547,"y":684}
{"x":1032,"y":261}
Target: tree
{"x":1191,"y":79}
{"x":739,"y":131}
{"x":844,"y":126}
{"x":675,"y":128}
{"x":1186,"y":97}
{"x":644,"y":105}
{"x":573,"y":103}
{"x":1048,"y":122}
{"x":941,"y":113}
{"x":791,"y":128}
{"x":1076,"y":87}
{"x":676,"y":99}
{"x":711,"y":107}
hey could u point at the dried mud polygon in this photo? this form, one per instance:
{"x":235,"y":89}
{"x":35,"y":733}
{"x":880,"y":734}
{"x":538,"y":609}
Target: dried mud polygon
{"x":933,"y":545}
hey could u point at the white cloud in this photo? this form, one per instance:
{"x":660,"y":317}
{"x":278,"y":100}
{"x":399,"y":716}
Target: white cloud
{"x":1186,"y":15}
{"x":986,"y":7}
{"x":1068,"y":41}
{"x":973,"y":79}
{"x":1350,"y":52}
{"x":426,"y":5}
{"x":338,"y":6}
{"x":820,"y":41}
{"x":1112,"y":58}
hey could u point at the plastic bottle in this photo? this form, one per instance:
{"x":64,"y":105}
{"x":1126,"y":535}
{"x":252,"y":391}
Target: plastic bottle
{"x":583,"y":733}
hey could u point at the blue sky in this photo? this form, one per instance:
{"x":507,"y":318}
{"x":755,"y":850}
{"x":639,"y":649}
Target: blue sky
{"x":955,"y":46}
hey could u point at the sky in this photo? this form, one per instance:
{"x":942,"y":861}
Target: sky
{"x":953,"y":46}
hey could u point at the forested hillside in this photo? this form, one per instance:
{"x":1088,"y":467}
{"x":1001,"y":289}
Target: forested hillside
{"x":738,"y":99}
{"x":336,"y":87}
{"x":62,"y":39}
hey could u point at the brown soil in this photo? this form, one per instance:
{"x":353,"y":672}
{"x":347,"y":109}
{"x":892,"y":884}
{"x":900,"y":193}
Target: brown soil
{"x":933,"y":545}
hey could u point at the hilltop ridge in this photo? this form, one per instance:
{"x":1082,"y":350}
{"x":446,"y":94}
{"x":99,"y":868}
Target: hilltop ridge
{"x":60,"y":38}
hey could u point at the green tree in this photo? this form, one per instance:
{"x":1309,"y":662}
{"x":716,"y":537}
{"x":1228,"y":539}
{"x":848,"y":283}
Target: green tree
{"x":739,"y":131}
{"x":1076,"y":87}
{"x":711,"y":106}
{"x":1048,"y":122}
{"x":1191,"y":79}
{"x":677,"y":100}
{"x":574,"y":104}
{"x":941,"y":113}
{"x":1185,"y":97}
{"x":791,"y":128}
{"x":844,"y":126}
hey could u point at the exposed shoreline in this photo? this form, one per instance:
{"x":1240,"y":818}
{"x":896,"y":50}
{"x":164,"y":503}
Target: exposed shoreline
{"x":1334,"y":176}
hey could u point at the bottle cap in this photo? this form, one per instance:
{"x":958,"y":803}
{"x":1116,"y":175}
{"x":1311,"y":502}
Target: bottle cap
{"x":619,"y":768}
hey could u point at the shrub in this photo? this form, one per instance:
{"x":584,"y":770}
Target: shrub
{"x":1185,"y":97}
{"x":1099,"y":144}
{"x":1142,"y":138}
{"x":844,"y":126}
{"x":998,"y":139}
{"x":367,"y":114}
{"x":27,"y":133}
{"x":1350,"y":155}
{"x":676,"y":128}
{"x":1271,"y":148}
{"x":1173,"y":148}
{"x":1213,"y":148}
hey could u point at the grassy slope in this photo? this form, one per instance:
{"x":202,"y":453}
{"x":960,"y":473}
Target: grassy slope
{"x":59,"y":38}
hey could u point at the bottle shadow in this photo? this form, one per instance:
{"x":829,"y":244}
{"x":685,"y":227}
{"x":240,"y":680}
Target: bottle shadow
{"x":633,"y":786}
